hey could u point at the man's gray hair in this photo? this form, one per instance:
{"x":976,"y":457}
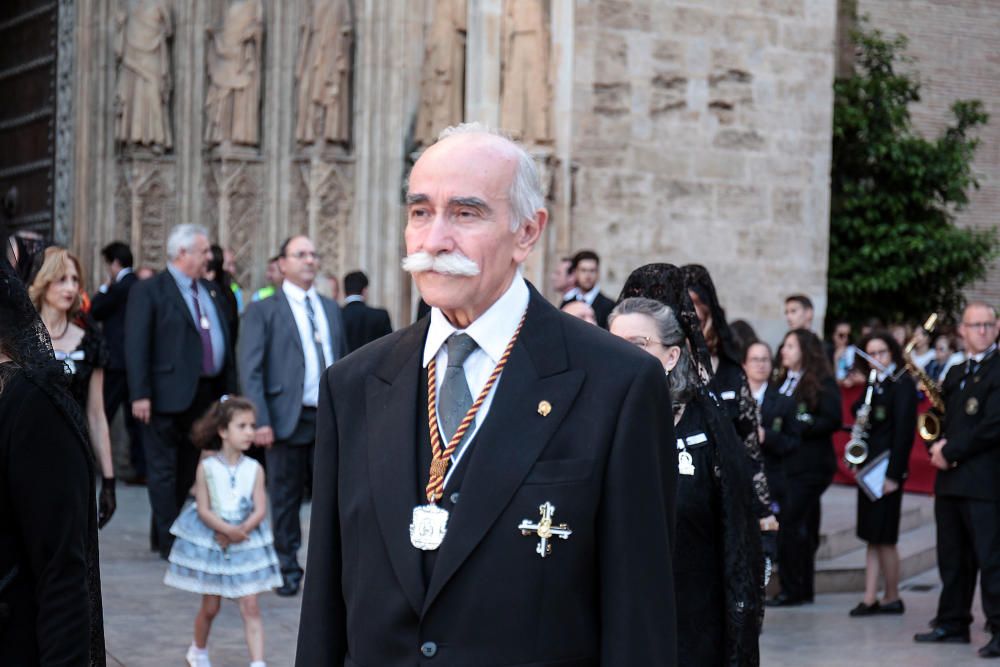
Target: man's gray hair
{"x":526,"y":189}
{"x":182,"y":237}
{"x":683,"y":381}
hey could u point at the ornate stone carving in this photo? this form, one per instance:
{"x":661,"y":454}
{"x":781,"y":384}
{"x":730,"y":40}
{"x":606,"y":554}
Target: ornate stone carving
{"x":145,"y":202}
{"x":232,"y":106}
{"x":525,"y":106}
{"x":142,"y":96}
{"x":64,"y":163}
{"x":233,"y":201}
{"x":442,"y":91}
{"x":323,"y":73}
{"x":328,"y":208}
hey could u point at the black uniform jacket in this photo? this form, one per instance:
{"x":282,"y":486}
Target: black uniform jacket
{"x":109,"y":309}
{"x":815,"y":458}
{"x":782,"y":436}
{"x":892,"y":423}
{"x":163,"y":346}
{"x":363,"y":324}
{"x":972,"y":428}
{"x":604,"y":456}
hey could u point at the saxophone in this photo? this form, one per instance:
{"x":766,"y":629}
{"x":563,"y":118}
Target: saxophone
{"x":929,"y":423}
{"x":856,"y":451}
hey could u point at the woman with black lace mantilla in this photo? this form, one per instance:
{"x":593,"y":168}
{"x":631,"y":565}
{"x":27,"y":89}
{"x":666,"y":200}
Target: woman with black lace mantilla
{"x":50,"y":589}
{"x":718,"y":567}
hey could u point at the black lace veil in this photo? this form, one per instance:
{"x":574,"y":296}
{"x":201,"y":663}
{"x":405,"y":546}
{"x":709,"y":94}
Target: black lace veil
{"x":743,"y":558}
{"x":24,"y":338}
{"x":699,"y":281}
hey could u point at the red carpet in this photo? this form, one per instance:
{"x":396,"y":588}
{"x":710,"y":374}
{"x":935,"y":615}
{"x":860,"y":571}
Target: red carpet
{"x":921,"y":479}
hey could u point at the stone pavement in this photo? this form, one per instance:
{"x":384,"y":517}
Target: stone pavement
{"x":148,"y":624}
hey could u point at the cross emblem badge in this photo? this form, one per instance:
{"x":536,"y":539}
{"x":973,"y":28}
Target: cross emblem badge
{"x":544,"y":529}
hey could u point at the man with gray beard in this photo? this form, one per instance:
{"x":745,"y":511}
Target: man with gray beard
{"x":495,"y":483}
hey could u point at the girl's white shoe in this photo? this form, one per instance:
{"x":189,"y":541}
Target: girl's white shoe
{"x":198,"y":657}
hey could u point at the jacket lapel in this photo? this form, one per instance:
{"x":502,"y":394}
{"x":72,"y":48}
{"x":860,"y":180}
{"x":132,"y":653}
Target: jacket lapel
{"x":391,"y":396}
{"x":286,"y":319}
{"x":511,"y":438}
{"x":174,"y":291}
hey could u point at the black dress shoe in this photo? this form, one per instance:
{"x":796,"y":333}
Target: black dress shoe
{"x":894,"y":607}
{"x":782,"y":600}
{"x":991,"y":650}
{"x":288,"y":588}
{"x":865,"y":609}
{"x":941,"y":635}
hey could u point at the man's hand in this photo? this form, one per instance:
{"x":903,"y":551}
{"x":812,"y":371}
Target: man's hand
{"x":264,"y":436}
{"x":142,"y":409}
{"x":937,"y":458}
{"x":769,"y":523}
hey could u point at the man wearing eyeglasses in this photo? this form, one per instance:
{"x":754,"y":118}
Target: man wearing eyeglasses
{"x":967,"y":490}
{"x":286,"y":342}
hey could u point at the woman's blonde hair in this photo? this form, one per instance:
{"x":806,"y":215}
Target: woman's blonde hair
{"x":53,"y":268}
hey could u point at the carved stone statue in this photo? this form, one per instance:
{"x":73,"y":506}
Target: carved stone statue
{"x":232,"y":106}
{"x":442,"y":91}
{"x":143,"y":90}
{"x":525,"y":59}
{"x":323,"y":72}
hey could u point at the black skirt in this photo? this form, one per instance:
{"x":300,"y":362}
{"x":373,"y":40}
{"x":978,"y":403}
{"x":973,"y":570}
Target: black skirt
{"x":878,"y":521}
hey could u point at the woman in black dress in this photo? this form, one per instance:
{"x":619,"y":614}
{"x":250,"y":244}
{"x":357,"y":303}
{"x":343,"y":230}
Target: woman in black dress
{"x":718,"y":566}
{"x":892,"y":422}
{"x":805,"y":375}
{"x":55,"y":292}
{"x":50,"y":587}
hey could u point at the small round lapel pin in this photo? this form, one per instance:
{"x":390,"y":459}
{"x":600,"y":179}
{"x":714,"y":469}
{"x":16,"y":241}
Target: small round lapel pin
{"x":544,"y":408}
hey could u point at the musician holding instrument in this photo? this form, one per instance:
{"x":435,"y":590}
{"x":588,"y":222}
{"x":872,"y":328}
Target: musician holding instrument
{"x":967,"y":489}
{"x":889,"y":426}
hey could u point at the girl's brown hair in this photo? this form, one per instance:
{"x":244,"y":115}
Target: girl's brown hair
{"x":815,"y":367}
{"x":205,"y":431}
{"x":53,"y":268}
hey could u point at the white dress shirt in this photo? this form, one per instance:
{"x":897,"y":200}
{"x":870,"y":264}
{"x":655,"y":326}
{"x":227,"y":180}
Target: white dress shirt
{"x":589,"y":297}
{"x":492,"y":332}
{"x":790,"y":383}
{"x":297,"y":300}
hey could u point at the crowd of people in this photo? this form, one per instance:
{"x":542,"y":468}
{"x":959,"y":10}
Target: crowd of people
{"x":626,"y":503}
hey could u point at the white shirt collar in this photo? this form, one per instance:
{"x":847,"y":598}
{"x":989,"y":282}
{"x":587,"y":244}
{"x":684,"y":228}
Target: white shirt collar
{"x":297,"y":294}
{"x":889,"y":370}
{"x":352,"y":298}
{"x":759,"y":394}
{"x":121,"y":274}
{"x":492,"y":330}
{"x":589,"y":297}
{"x":979,"y":357}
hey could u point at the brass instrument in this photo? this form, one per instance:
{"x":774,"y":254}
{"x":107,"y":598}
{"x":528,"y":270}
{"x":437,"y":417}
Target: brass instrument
{"x":929,"y":423}
{"x":856,"y":451}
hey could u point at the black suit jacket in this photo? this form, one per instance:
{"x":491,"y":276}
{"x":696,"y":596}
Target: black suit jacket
{"x":604,"y":456}
{"x":782,"y":436}
{"x":163,"y":346}
{"x":972,"y":428}
{"x":602,"y":308}
{"x":892,"y":423}
{"x":108,"y":308}
{"x":363,"y":324}
{"x":815,"y":459}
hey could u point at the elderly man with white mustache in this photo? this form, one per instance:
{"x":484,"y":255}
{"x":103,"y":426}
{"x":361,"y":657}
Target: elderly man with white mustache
{"x":495,"y":483}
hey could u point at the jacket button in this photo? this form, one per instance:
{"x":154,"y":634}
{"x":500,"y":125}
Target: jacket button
{"x":429,"y":649}
{"x":454,"y":498}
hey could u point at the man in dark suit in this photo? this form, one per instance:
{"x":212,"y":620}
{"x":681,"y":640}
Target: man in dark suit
{"x":530,"y":526}
{"x":108,"y":308}
{"x":179,"y":359}
{"x":966,"y":492}
{"x":586,"y":270}
{"x":286,"y":342}
{"x":362,"y":324}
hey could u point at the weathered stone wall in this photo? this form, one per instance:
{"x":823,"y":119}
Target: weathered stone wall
{"x":957,"y":47}
{"x":702,"y":134}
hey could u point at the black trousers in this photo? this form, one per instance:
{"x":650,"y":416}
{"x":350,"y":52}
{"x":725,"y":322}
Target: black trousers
{"x":798,"y":537}
{"x":968,"y":540}
{"x":116,"y":395}
{"x":289,"y":468}
{"x":171,"y":460}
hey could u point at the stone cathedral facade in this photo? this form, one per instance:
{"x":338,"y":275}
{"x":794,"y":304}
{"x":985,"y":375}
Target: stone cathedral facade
{"x":667,"y":130}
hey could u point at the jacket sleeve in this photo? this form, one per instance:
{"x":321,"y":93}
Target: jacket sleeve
{"x":904,"y":425}
{"x":51,"y":510}
{"x":251,"y":357}
{"x":104,"y":304}
{"x":640,"y":485}
{"x":140,"y":324}
{"x":385,"y":324}
{"x":827,"y":417}
{"x":323,"y":625}
{"x":983,"y":436}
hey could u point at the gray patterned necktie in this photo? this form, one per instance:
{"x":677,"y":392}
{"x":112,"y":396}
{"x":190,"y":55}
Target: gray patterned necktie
{"x":455,"y":399}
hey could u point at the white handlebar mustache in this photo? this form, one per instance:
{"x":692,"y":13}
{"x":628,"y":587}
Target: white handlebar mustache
{"x":451,"y":263}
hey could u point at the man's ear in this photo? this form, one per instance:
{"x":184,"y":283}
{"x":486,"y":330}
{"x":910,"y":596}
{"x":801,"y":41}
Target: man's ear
{"x":528,"y":233}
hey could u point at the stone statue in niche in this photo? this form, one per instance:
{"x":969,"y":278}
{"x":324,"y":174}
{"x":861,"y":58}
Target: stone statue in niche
{"x":142,"y":94}
{"x":442,"y":91}
{"x":525,"y":62}
{"x":232,"y":106}
{"x":323,"y":72}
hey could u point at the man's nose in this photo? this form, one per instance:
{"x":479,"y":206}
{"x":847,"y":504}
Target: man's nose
{"x":439,"y":237}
